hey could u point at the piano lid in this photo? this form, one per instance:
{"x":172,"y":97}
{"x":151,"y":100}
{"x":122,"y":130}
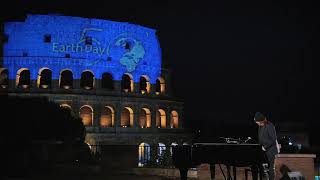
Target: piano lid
{"x":223,"y":144}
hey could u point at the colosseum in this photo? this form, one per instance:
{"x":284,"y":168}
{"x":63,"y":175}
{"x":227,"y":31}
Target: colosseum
{"x":110,"y":73}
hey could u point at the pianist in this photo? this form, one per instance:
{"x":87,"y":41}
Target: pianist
{"x":268,"y":139}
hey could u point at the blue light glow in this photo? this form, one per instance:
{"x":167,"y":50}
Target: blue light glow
{"x":93,"y":44}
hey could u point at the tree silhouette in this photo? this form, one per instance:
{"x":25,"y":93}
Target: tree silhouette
{"x":37,"y":132}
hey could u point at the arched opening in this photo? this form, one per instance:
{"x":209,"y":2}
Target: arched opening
{"x":126,"y":117}
{"x":161,"y":121}
{"x":145,"y":118}
{"x":89,"y":146}
{"x":86,"y":113}
{"x":86,"y":152}
{"x":172,"y":144}
{"x":87,"y":80}
{"x":44,"y":78}
{"x":23,"y":78}
{"x":95,"y":150}
{"x":66,"y":79}
{"x":144,"y":154}
{"x":107,"y":117}
{"x":144,"y":84}
{"x":107,"y":81}
{"x":160,"y":86}
{"x":127,"y":83}
{"x":4,"y":80}
{"x":67,"y":106}
{"x":161,"y":153}
{"x":174,"y":119}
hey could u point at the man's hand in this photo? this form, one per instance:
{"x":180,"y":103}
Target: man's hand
{"x":263,"y":149}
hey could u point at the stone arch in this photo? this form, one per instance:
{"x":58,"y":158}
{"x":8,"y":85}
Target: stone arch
{"x":107,"y":117}
{"x":89,"y":145}
{"x":161,"y":119}
{"x":161,"y":150}
{"x":160,"y":85}
{"x":126,"y":117}
{"x":86,"y":113}
{"x":66,"y":106}
{"x":174,"y":144}
{"x":4,"y":78}
{"x":44,"y":78}
{"x":145,"y":118}
{"x":171,"y":145}
{"x":66,"y":79}
{"x":23,"y":78}
{"x":107,"y":81}
{"x":174,"y":119}
{"x":144,"y":154}
{"x":144,"y":84}
{"x":87,"y":80}
{"x":127,"y":84}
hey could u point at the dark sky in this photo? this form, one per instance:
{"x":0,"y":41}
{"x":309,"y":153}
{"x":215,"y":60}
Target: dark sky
{"x":228,"y":58}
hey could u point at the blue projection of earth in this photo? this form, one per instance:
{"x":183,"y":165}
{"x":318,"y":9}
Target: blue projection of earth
{"x":79,"y":44}
{"x":131,"y":58}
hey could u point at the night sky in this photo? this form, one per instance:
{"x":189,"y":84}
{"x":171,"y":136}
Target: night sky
{"x":228,"y":59}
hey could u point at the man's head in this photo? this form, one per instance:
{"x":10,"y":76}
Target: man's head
{"x":260,"y":119}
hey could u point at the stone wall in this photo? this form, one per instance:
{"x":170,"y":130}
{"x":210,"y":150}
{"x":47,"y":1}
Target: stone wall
{"x":303,"y":163}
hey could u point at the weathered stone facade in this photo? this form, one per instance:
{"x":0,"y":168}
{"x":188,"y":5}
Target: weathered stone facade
{"x":97,"y":99}
{"x":26,"y":62}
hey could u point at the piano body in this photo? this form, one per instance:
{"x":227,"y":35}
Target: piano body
{"x":230,"y":154}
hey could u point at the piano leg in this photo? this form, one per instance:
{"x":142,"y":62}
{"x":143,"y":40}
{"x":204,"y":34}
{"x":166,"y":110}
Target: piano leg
{"x":213,"y":171}
{"x":222,"y":172}
{"x":261,"y":172}
{"x":183,"y":173}
{"x":234,"y":168}
{"x":255,"y":172}
{"x":229,"y":173}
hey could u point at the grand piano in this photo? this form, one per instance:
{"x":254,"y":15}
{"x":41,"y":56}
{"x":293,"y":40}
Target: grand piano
{"x":233,"y":154}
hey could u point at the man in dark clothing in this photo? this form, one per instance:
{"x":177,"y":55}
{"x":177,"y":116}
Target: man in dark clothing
{"x":268,"y":139}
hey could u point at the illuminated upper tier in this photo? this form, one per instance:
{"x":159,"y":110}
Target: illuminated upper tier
{"x":79,"y":44}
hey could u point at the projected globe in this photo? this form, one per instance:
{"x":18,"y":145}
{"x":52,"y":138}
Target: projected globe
{"x":134,"y":52}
